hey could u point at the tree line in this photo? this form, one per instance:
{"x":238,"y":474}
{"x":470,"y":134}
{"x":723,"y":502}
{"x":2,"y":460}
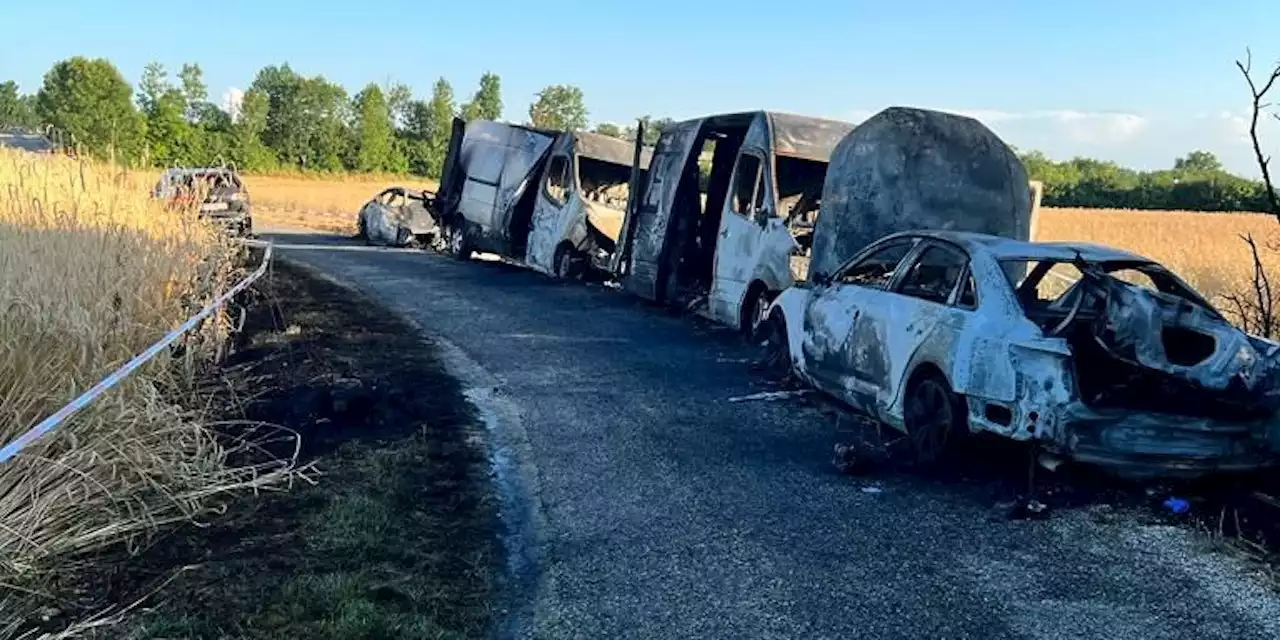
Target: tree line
{"x":287,"y":120}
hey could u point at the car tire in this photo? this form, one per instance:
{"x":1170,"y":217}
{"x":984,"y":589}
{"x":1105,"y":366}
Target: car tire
{"x":935,"y":418}
{"x":754,"y":318}
{"x":565,"y":266}
{"x":459,"y":244}
{"x":776,"y":357}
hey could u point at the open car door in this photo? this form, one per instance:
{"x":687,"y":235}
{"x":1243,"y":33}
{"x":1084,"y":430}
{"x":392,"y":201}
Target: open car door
{"x":645,"y":230}
{"x":450,"y":184}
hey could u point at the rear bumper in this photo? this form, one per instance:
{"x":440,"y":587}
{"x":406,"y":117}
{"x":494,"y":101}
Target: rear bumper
{"x":1147,"y":445}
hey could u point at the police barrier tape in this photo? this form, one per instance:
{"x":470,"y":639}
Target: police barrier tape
{"x":50,"y":423}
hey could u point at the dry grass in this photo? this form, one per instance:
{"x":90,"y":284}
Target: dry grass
{"x":1204,"y":248}
{"x":318,"y":202}
{"x":92,"y":272}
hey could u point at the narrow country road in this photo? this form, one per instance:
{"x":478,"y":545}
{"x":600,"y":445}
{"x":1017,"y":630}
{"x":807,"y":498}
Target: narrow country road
{"x":648,"y":506}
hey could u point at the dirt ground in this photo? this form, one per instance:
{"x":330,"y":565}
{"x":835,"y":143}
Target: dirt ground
{"x":396,"y":538}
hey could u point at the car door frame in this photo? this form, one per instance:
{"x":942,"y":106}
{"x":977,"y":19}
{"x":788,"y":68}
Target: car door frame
{"x":548,"y":223}
{"x":840,"y":306}
{"x":738,"y":246}
{"x":915,"y":336}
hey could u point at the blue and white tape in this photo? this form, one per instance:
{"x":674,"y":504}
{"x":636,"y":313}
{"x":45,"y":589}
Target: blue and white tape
{"x":50,"y":423}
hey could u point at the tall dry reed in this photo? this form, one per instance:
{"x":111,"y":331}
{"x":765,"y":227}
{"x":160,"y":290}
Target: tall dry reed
{"x":92,"y":272}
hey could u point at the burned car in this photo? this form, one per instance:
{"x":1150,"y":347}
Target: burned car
{"x":553,"y":201}
{"x":725,"y":242}
{"x":217,"y":194}
{"x":397,"y":217}
{"x":581,"y":203}
{"x":1097,"y":355}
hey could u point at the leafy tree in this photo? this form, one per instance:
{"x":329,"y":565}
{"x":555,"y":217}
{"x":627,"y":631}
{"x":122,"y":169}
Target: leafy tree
{"x":1198,"y":162}
{"x":487,"y":102}
{"x":246,"y":146}
{"x":559,"y":107}
{"x":374,"y":134}
{"x":431,"y":125}
{"x":652,"y":129}
{"x":16,"y":109}
{"x":194,"y":90}
{"x":90,"y":101}
{"x":305,"y":118}
{"x":399,"y":96}
{"x":610,"y":129}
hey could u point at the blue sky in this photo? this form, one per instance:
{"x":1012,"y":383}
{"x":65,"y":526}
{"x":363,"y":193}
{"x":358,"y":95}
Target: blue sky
{"x":1135,"y":81}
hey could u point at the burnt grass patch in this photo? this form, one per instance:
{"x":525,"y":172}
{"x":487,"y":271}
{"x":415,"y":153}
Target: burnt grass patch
{"x":395,"y":538}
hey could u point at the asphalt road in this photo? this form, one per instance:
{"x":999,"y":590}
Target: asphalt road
{"x":641,"y":503}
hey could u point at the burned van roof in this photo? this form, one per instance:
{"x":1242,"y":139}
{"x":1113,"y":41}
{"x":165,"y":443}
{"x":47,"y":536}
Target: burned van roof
{"x":794,"y":136}
{"x":609,"y":149}
{"x":806,"y":137}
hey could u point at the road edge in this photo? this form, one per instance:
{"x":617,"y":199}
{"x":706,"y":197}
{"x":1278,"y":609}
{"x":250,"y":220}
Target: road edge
{"x":515,"y":476}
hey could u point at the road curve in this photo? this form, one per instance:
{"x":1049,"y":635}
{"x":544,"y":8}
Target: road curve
{"x":664,"y":511}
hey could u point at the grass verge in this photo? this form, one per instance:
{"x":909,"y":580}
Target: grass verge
{"x":396,"y":539}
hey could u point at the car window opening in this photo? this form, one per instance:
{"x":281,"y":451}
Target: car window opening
{"x":1089,"y":303}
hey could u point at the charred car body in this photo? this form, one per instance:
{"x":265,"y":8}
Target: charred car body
{"x":552,"y":200}
{"x":397,"y":217}
{"x":728,"y":246}
{"x":1099,"y":355}
{"x":221,"y":195}
{"x":955,"y":322}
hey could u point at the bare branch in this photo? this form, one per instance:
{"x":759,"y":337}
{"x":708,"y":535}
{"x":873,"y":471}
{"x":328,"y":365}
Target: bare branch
{"x":1259,"y":107}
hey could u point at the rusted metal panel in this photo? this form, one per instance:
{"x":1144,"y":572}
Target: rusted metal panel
{"x":907,"y":169}
{"x":496,"y":164}
{"x":806,"y":137}
{"x":653,"y":213}
{"x":608,"y":149}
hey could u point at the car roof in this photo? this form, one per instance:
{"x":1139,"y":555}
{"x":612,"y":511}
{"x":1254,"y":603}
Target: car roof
{"x":1009,"y":249}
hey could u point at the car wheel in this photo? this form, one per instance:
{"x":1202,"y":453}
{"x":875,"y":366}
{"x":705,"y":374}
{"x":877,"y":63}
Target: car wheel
{"x":565,"y":266}
{"x":777,"y":351}
{"x":755,"y":315}
{"x":459,"y":245}
{"x":935,"y":418}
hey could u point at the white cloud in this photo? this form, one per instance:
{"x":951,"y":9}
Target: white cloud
{"x":232,"y":98}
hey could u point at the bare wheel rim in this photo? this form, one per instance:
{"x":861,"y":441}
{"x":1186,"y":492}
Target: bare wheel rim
{"x":932,"y":417}
{"x":455,"y":240}
{"x":776,"y":350}
{"x":759,"y":317}
{"x":564,"y":264}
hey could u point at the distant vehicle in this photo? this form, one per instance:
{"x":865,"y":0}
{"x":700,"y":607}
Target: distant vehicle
{"x":223,"y":198}
{"x":1100,"y":355}
{"x":551,"y":200}
{"x":26,"y":140}
{"x":398,"y":217}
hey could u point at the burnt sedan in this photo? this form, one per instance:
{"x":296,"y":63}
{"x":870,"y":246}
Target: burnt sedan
{"x":398,"y":217}
{"x":1097,"y":355}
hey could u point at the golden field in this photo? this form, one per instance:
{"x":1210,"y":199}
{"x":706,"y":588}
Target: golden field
{"x":92,"y":271}
{"x":1204,"y":248}
{"x":323,"y":203}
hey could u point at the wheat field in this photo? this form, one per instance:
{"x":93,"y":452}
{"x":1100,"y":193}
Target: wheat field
{"x":92,"y":271}
{"x":318,"y":202}
{"x":1205,"y":248}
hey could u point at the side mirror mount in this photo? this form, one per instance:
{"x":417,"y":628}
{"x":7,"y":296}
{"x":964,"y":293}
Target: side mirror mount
{"x":820,"y":279}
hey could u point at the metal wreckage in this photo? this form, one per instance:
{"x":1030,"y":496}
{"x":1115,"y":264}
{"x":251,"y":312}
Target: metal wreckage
{"x":890,"y":266}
